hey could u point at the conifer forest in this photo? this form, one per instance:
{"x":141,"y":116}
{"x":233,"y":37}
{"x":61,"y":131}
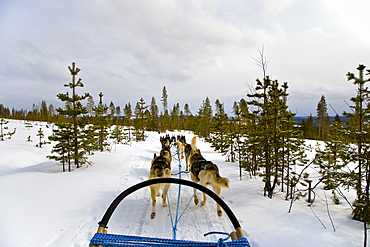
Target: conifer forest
{"x":261,"y":134}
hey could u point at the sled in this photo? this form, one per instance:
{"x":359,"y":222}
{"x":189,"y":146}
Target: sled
{"x":103,"y":239}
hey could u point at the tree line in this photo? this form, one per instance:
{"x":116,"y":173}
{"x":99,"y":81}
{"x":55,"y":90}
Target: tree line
{"x":261,"y":135}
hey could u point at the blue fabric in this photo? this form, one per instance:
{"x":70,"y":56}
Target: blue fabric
{"x":111,"y":240}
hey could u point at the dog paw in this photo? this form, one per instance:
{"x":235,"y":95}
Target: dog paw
{"x":164,"y":204}
{"x":196,"y":201}
{"x":203,"y":203}
{"x":219,"y":213}
{"x":152,"y":216}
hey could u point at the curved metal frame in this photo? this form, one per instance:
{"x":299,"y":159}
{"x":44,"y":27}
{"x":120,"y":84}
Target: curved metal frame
{"x":104,"y":222}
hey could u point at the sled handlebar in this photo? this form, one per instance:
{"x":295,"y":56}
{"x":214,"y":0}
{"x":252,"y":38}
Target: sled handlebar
{"x":104,"y":222}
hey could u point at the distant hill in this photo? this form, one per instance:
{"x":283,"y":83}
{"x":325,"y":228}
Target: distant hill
{"x":299,"y":119}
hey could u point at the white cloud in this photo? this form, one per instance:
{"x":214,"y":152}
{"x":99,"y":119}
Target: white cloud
{"x":130,"y":49}
{"x":275,"y":7}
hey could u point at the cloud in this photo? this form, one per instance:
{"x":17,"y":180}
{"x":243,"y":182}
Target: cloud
{"x":275,"y":7}
{"x":131,"y":49}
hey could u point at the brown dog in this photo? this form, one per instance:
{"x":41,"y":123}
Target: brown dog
{"x":206,"y":173}
{"x":180,"y":150}
{"x":160,"y":169}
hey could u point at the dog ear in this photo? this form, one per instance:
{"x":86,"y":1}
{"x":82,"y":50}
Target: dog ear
{"x":155,"y":155}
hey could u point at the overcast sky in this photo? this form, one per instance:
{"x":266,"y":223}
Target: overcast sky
{"x":197,"y":49}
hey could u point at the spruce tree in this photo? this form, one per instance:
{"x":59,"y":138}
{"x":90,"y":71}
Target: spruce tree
{"x":188,"y":117}
{"x":272,"y":138}
{"x":203,"y":119}
{"x":74,"y":111}
{"x":164,"y":99}
{"x":4,"y":130}
{"x":118,"y":135}
{"x":358,"y":128}
{"x":175,"y":117}
{"x":63,"y":138}
{"x":333,"y":159}
{"x":140,"y":119}
{"x":41,"y":136}
{"x":323,"y":120}
{"x":165,"y":121}
{"x":128,"y":119}
{"x":153,"y":120}
{"x":220,"y":137}
{"x":308,"y":127}
{"x":90,"y":105}
{"x":100,"y":128}
{"x":111,"y":112}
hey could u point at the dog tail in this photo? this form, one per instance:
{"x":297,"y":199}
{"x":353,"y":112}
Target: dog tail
{"x":223,"y":182}
{"x":194,"y":143}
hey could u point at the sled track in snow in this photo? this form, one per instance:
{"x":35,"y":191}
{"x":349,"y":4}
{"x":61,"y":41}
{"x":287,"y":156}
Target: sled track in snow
{"x":194,"y":222}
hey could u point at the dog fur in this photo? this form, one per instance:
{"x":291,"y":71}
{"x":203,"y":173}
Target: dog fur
{"x":166,"y":152}
{"x":187,"y":150}
{"x":160,"y":168}
{"x":180,"y":150}
{"x":206,"y":173}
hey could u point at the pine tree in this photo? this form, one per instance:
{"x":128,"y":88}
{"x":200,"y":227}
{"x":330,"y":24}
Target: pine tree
{"x":188,"y":117}
{"x":63,"y":138}
{"x":323,"y":120}
{"x":90,"y":105}
{"x":128,"y":119}
{"x":41,"y":136}
{"x":332,"y":160}
{"x":73,"y":110}
{"x":175,"y":117}
{"x":4,"y":133}
{"x":153,"y":120}
{"x":52,"y":114}
{"x":118,"y":135}
{"x":111,"y":111}
{"x":28,"y":124}
{"x":220,"y":137}
{"x":308,"y":128}
{"x":44,"y":112}
{"x":272,"y":138}
{"x":358,"y":128}
{"x":164,"y":99}
{"x":203,"y":119}
{"x":3,"y":127}
{"x":165,"y":121}
{"x":118,"y":114}
{"x":100,"y":127}
{"x":140,"y":119}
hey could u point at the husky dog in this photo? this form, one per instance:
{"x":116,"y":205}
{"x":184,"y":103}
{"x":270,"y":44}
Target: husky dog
{"x":181,"y":139}
{"x":180,"y":144}
{"x":180,"y":150}
{"x":160,"y":169}
{"x":165,"y":141}
{"x":187,"y":150}
{"x":166,"y":152}
{"x":206,"y":173}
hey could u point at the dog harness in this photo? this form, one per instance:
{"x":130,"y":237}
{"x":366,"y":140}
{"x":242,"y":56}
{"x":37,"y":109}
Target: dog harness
{"x":202,"y":165}
{"x":160,"y":163}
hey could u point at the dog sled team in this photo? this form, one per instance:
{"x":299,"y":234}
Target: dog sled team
{"x":201,"y":171}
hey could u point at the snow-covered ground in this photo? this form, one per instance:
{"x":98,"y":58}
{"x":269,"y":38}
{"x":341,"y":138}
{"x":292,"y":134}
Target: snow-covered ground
{"x":42,"y":206}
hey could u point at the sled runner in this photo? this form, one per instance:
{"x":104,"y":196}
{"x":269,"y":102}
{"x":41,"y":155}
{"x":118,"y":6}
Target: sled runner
{"x":103,"y":239}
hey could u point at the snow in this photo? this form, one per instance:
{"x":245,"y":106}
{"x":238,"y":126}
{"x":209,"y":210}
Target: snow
{"x":42,"y":206}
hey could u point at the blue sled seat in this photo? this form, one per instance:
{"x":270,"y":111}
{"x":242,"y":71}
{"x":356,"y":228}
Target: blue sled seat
{"x":108,"y":240}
